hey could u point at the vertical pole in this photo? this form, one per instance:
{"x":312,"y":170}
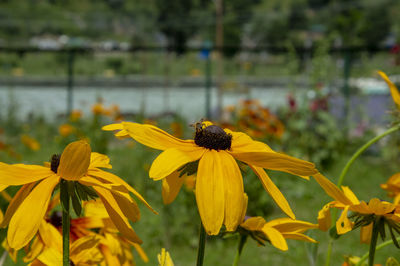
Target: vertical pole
{"x":70,"y":84}
{"x":208,"y":86}
{"x":346,"y":88}
{"x":219,"y":41}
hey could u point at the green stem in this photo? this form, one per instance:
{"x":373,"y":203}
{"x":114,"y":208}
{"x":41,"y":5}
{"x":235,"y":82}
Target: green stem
{"x":362,"y":149}
{"x":366,"y":255}
{"x":64,"y":196}
{"x":374,"y":240}
{"x":202,"y":245}
{"x":242,"y":242}
{"x":346,"y":169}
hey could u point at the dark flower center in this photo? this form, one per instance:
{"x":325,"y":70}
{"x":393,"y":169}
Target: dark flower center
{"x":213,"y":137}
{"x":55,"y":162}
{"x":56,"y":219}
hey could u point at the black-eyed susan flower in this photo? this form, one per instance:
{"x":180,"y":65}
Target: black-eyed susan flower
{"x":276,"y":231}
{"x":372,"y":217}
{"x":79,"y":166}
{"x":213,"y":154}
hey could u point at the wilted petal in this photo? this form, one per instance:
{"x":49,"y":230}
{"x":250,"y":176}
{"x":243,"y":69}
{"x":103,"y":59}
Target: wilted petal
{"x":344,"y":225}
{"x":324,"y":217}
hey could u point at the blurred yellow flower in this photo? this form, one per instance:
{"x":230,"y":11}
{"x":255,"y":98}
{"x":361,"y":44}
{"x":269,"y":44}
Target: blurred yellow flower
{"x":364,"y":214}
{"x":66,"y":129}
{"x":277,"y":231}
{"x":75,"y":115}
{"x":213,"y":154}
{"x":77,"y":163}
{"x":393,"y":187}
{"x":164,"y":259}
{"x":30,"y":142}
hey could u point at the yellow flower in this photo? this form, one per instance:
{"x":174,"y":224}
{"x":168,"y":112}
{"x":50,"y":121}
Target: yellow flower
{"x":77,"y":163}
{"x":164,"y":259}
{"x":393,"y":187}
{"x":30,"y":142}
{"x":364,"y":214}
{"x":83,"y":251}
{"x":393,"y":89}
{"x":66,"y":129}
{"x":277,"y":231}
{"x":75,"y":115}
{"x":219,"y":184}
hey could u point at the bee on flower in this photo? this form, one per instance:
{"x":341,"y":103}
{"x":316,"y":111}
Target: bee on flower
{"x":212,"y":156}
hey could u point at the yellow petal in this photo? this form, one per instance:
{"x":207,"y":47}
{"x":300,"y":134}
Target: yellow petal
{"x":172,"y":159}
{"x":299,"y":236}
{"x":171,"y":185}
{"x":112,"y":127}
{"x":254,"y":223}
{"x":241,"y":143}
{"x":210,"y":192}
{"x":393,"y":90}
{"x":99,"y":160}
{"x":244,"y":210}
{"x":36,"y":248}
{"x":154,"y":137}
{"x":273,"y":191}
{"x":164,"y":259}
{"x":276,"y":238}
{"x":16,"y":175}
{"x":366,"y":233}
{"x":80,"y":246}
{"x":233,"y":190}
{"x":344,"y":225}
{"x":19,"y":197}
{"x":50,"y":236}
{"x":116,"y":215}
{"x":128,"y":206}
{"x":324,"y":217}
{"x":110,"y":258}
{"x":332,"y":190}
{"x":75,"y":160}
{"x":50,"y":257}
{"x":277,"y":161}
{"x":287,"y":225}
{"x":26,"y":220}
{"x":379,"y":207}
{"x":141,"y":252}
{"x":350,"y":195}
{"x":111,"y":178}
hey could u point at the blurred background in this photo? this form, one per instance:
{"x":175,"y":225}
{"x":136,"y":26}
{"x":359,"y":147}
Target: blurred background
{"x":297,"y":74}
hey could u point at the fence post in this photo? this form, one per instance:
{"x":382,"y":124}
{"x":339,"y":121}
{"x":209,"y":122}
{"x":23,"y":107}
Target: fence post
{"x":70,"y":81}
{"x":346,"y":88}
